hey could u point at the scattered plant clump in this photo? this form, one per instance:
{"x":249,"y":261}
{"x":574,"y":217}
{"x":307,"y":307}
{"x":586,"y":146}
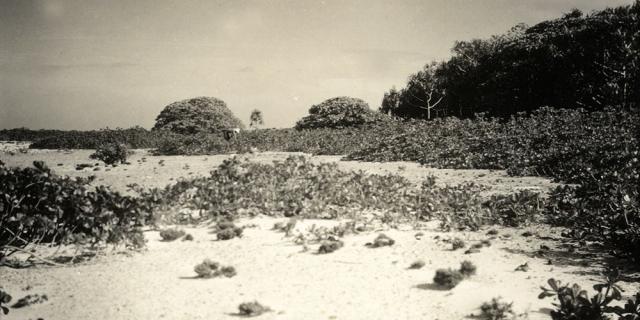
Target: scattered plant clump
{"x":448,"y":278}
{"x":418,"y":264}
{"x":171,"y":234}
{"x":5,"y":298}
{"x":227,"y":271}
{"x":252,"y":309}
{"x":496,"y":309}
{"x":82,"y":166}
{"x":382,"y":240}
{"x":467,"y":268}
{"x":574,"y":302}
{"x":29,"y":300}
{"x":187,"y":237}
{"x":228,"y":234}
{"x":111,"y":153}
{"x":457,"y":243}
{"x":211,"y":269}
{"x":339,"y":112}
{"x":206,"y":269}
{"x":329,"y":246}
{"x":523,"y":267}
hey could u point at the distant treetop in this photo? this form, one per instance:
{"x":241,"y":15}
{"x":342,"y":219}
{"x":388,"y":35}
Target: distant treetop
{"x":201,"y":114}
{"x":339,"y":112}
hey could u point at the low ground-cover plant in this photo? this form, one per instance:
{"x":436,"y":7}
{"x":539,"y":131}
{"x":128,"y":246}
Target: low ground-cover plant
{"x":418,"y":264}
{"x":111,"y":153}
{"x":227,"y":230}
{"x":252,"y":309}
{"x":40,"y":207}
{"x":212,"y":269}
{"x":382,"y":240}
{"x":136,"y":138}
{"x":171,"y":234}
{"x":5,"y":298}
{"x":329,"y":246}
{"x":449,"y":278}
{"x":457,"y":243}
{"x":496,"y":309}
{"x":574,"y":302}
{"x":29,"y":300}
{"x":298,"y":187}
{"x":598,"y":151}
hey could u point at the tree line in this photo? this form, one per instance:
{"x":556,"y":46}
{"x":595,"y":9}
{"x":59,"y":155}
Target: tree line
{"x":588,"y":61}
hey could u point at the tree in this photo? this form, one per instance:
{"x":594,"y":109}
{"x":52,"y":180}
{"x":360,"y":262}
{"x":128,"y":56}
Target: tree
{"x":424,"y":89}
{"x":339,"y":112}
{"x":202,"y":114}
{"x":390,"y":102}
{"x":256,"y":119}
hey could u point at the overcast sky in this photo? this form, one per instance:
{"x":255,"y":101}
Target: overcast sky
{"x":90,"y":64}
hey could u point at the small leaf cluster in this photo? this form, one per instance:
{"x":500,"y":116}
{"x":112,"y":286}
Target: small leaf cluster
{"x":111,"y":153}
{"x":574,"y":302}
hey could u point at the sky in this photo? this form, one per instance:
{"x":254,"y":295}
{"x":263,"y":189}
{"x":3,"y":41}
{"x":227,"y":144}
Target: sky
{"x":89,"y":64}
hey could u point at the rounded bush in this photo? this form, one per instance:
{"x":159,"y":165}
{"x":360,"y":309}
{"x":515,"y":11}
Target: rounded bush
{"x":202,"y":114}
{"x":339,"y":112}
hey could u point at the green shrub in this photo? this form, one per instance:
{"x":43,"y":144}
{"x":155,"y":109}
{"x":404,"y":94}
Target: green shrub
{"x":329,"y":246}
{"x":135,"y":138}
{"x":41,"y":207}
{"x":206,"y":269}
{"x":448,"y":278}
{"x":171,"y":234}
{"x":226,"y":234}
{"x":418,"y":264}
{"x":457,"y":243}
{"x":497,"y":310}
{"x":5,"y":298}
{"x":382,"y":240}
{"x":111,"y":153}
{"x":252,"y":309}
{"x":195,"y":115}
{"x":574,"y":302}
{"x":339,"y":112}
{"x":467,"y":268}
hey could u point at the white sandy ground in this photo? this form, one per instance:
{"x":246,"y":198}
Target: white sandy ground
{"x":355,"y":282}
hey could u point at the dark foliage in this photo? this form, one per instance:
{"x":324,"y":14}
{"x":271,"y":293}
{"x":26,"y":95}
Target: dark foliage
{"x":40,"y":207}
{"x":587,"y":61}
{"x":195,"y":115}
{"x":339,"y":112}
{"x":575,"y":304}
{"x":111,"y":153}
{"x":135,"y":138}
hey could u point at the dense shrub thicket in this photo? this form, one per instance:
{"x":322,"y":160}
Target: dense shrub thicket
{"x":298,"y":187}
{"x":339,"y":112}
{"x":111,"y":153}
{"x":136,"y":137}
{"x":202,"y":114}
{"x":318,"y":141}
{"x":597,"y":151}
{"x":39,"y":206}
{"x":25,"y":134}
{"x":581,"y":60}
